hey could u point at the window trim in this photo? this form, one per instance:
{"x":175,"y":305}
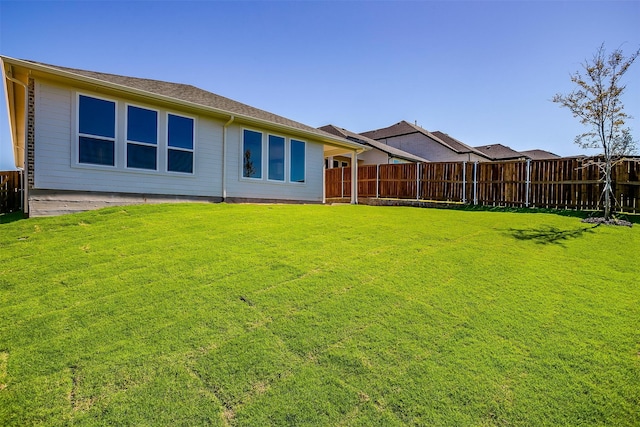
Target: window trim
{"x":264,"y":161}
{"x":78,"y":135}
{"x":127,"y":141}
{"x":262,"y":151}
{"x":305,"y":144}
{"x":285,"y":160}
{"x":167,"y":147}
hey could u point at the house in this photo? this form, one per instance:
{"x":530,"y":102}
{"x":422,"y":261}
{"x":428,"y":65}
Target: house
{"x":435,"y":147}
{"x":540,"y":155}
{"x":379,"y":153}
{"x":501,"y":153}
{"x":87,"y":139}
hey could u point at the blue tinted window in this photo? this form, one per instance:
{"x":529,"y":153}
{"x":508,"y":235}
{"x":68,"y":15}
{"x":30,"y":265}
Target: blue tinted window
{"x":276,"y":158}
{"x":96,"y":151}
{"x":180,"y":161}
{"x":97,"y":116}
{"x":297,"y":161}
{"x":142,"y":125}
{"x":141,"y":156}
{"x":180,"y":132}
{"x":252,"y":154}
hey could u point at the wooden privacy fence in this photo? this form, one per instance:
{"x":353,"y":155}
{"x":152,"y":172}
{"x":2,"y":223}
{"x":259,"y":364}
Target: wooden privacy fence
{"x":10,"y":191}
{"x":559,"y":183}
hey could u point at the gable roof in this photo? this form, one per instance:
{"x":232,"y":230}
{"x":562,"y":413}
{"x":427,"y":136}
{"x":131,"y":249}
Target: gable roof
{"x":500,"y":152}
{"x":392,"y":151}
{"x":399,"y":129}
{"x":178,"y":93}
{"x":406,"y":128}
{"x":540,"y":154}
{"x":457,"y":145}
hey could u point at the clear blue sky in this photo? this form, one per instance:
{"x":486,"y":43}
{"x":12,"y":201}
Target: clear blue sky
{"x":483,"y":72}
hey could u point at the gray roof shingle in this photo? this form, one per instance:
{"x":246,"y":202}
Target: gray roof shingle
{"x":500,"y":152}
{"x":361,"y":139}
{"x":406,"y":128}
{"x":190,"y":94}
{"x":540,"y":154}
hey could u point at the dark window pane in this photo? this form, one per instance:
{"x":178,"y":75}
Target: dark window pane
{"x":276,"y":158}
{"x":97,"y":117}
{"x":142,"y":125}
{"x":252,"y":154}
{"x":180,"y":161}
{"x":141,"y":156}
{"x":180,"y":132}
{"x":96,"y":151}
{"x":297,"y":161}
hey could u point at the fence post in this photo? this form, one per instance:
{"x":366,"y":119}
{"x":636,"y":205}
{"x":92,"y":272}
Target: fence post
{"x":342,"y":183}
{"x":528,"y":181}
{"x":464,"y":182}
{"x":417,"y":181}
{"x":475,"y":183}
{"x":377,"y":181}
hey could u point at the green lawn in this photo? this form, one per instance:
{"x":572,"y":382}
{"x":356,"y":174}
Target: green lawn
{"x":248,"y":315}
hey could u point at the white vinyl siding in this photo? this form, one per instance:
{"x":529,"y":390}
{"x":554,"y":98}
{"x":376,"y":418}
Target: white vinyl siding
{"x":241,"y":187}
{"x":56,"y":151}
{"x":56,"y":166}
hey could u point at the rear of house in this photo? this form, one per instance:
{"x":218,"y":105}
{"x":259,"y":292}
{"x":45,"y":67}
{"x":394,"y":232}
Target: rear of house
{"x":87,"y":140}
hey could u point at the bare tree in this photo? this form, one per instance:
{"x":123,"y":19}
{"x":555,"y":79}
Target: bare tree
{"x":596,"y":103}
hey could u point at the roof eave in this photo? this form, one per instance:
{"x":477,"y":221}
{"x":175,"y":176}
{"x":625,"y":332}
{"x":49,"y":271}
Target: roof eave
{"x":39,"y":68}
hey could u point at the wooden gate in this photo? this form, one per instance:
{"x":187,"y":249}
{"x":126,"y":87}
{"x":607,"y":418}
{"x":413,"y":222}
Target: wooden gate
{"x":10,"y":191}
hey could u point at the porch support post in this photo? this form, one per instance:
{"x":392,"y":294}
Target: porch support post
{"x":464,"y":182}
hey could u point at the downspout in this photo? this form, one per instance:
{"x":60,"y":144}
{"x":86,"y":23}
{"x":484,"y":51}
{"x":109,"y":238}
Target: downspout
{"x":25,"y":167}
{"x":224,"y":157}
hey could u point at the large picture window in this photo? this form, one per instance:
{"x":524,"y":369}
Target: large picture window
{"x":96,"y":131}
{"x":180,"y":131}
{"x":297,"y":156}
{"x":142,"y":138}
{"x":276,"y":158}
{"x":252,"y":154}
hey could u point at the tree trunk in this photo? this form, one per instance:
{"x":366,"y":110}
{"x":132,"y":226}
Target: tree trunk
{"x":608,"y":190}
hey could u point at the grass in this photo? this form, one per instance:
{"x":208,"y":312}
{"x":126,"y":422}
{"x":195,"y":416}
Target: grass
{"x":249,"y":315}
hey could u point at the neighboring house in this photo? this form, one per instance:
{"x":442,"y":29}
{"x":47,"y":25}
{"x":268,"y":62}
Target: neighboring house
{"x":499,"y":152}
{"x":87,"y":139}
{"x":379,"y":152}
{"x":432,"y":146}
{"x":540,"y":155}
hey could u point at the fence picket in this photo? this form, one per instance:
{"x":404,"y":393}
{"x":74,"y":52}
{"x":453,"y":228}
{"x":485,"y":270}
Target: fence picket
{"x":558,"y":183}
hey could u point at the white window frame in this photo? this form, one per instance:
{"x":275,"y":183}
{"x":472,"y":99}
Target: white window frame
{"x":306,"y":145}
{"x":127,"y":141}
{"x":168,"y":147}
{"x":285,"y":161}
{"x":262,"y":156}
{"x":114,"y":140}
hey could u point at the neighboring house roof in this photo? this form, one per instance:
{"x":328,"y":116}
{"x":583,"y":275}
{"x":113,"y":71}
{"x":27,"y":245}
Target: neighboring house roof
{"x":183,"y":94}
{"x":540,"y":154}
{"x":391,"y":151}
{"x":457,"y":145}
{"x":500,"y":152}
{"x":405,"y":128}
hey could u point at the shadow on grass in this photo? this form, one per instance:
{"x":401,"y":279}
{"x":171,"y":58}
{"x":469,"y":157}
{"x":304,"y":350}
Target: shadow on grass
{"x":633,"y":218}
{"x":546,"y":235}
{"x":11,"y":217}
